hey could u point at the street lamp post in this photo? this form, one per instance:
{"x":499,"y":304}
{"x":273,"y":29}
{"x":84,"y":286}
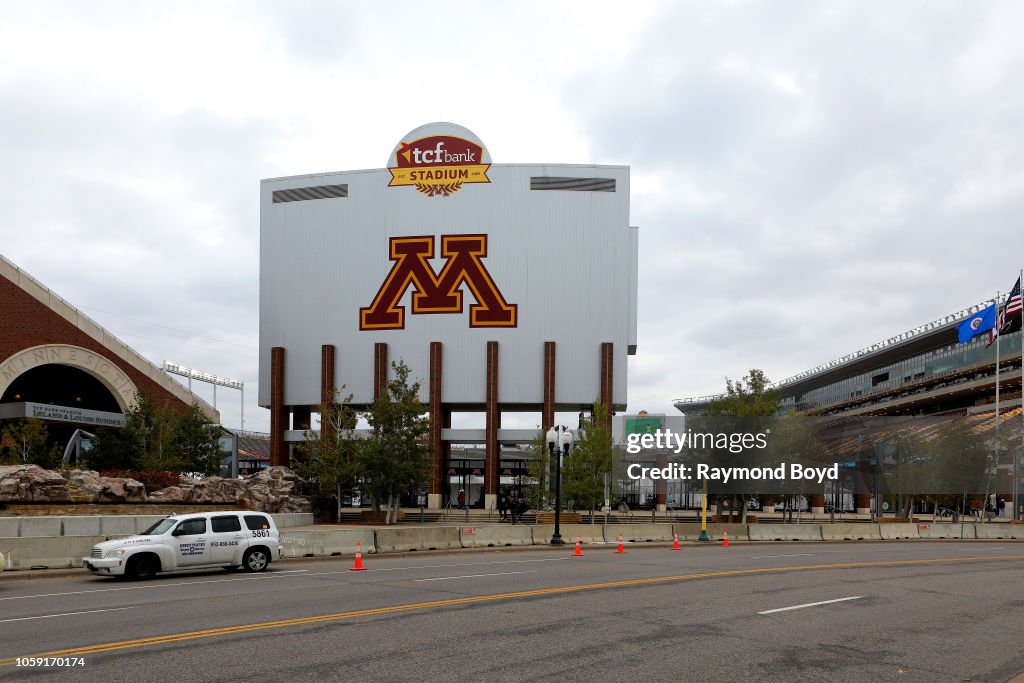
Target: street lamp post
{"x":555,"y":437}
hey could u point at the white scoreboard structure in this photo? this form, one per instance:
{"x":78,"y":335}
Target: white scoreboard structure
{"x":504,"y":287}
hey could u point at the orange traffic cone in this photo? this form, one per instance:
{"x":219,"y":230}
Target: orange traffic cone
{"x":578,"y":552}
{"x":675,"y":542}
{"x":725,"y":539}
{"x":621,"y":549}
{"x":358,"y":566}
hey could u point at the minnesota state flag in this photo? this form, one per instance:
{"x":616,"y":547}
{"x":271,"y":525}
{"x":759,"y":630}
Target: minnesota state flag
{"x":982,"y":321}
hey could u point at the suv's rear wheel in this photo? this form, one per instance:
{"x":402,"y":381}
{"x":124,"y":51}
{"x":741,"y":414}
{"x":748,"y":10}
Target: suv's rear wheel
{"x":142,"y":567}
{"x":255,"y":559}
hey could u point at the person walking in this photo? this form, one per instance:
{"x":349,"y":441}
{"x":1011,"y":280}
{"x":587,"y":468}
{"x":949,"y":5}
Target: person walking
{"x":462,"y":499}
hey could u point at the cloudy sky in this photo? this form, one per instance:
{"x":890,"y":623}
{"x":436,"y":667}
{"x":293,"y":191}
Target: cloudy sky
{"x":809,"y":178}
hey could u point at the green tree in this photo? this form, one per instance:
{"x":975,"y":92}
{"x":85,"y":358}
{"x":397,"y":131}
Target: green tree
{"x":538,"y":466}
{"x":194,"y":441}
{"x":396,"y":457}
{"x":591,"y":457}
{"x":118,"y":448}
{"x":158,"y":427}
{"x":27,"y":442}
{"x":333,"y":464}
{"x":750,"y":397}
{"x":145,"y":441}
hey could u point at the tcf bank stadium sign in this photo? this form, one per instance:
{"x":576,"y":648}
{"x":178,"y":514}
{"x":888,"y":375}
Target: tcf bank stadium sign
{"x":438,"y":165}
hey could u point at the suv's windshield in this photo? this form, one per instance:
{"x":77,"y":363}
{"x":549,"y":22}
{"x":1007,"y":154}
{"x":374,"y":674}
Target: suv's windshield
{"x":159,"y":528}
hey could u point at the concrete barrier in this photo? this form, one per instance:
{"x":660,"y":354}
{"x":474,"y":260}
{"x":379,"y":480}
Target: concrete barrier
{"x":993,"y":531}
{"x":495,"y":536}
{"x":945,"y":530}
{"x":9,"y":527}
{"x":850,"y":532}
{"x":284,"y":520}
{"x":50,"y":552}
{"x":343,"y":541}
{"x":785,"y":532}
{"x":690,"y":531}
{"x":325,"y":542}
{"x":39,"y":527}
{"x":81,"y":526}
{"x":299,"y":543}
{"x":143,"y":522}
{"x":118,"y":525}
{"x":542,"y":533}
{"x":898,"y":530}
{"x":640,"y":533}
{"x":417,"y":538}
{"x":587,"y":533}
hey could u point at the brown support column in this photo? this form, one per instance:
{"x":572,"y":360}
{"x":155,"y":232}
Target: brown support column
{"x":327,"y":374}
{"x":380,"y":369}
{"x":278,"y":411}
{"x":439,"y":470}
{"x":492,"y":452}
{"x":817,"y":503}
{"x":661,"y":485}
{"x":548,"y":416}
{"x":607,"y":382}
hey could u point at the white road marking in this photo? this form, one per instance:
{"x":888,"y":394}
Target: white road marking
{"x":461,"y":564}
{"x":758,"y":557}
{"x":136,"y":588}
{"x":66,"y":614}
{"x":811,"y":604}
{"x":268,"y":576}
{"x":472,"y":576}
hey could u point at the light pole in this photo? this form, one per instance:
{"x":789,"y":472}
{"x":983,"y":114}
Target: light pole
{"x":555,"y":437}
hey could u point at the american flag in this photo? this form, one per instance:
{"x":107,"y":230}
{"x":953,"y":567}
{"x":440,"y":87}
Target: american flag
{"x":1012,"y":307}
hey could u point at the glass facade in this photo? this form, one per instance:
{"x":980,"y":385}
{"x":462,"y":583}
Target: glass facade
{"x":930,"y":364}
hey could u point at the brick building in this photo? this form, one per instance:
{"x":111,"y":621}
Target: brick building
{"x":58,"y":365}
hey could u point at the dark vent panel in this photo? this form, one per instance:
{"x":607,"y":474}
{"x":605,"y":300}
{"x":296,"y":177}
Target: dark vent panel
{"x":301,"y":194}
{"x":573,"y":184}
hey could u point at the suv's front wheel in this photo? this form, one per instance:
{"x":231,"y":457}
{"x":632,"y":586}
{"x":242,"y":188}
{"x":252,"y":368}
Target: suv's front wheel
{"x":255,"y":559}
{"x":142,"y":567}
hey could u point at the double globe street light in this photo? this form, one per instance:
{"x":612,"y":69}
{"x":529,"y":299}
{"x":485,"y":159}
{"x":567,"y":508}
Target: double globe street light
{"x":554,"y":437}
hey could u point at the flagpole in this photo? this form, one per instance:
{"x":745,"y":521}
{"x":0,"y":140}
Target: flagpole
{"x":1017,"y":457}
{"x":995,"y":506}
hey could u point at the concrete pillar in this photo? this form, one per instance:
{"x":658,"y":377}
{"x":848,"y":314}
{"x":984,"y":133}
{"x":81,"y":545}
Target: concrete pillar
{"x":278,"y":411}
{"x":492,"y":450}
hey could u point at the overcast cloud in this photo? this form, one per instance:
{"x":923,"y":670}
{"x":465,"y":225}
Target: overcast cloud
{"x":809,"y":178}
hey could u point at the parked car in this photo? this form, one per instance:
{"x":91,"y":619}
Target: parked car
{"x":232,"y":540}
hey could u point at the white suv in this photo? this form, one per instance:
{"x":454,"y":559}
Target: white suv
{"x":232,"y":540}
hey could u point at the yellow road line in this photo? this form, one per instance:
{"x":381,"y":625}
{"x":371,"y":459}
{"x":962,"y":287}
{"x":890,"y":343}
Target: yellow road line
{"x":300,"y":621}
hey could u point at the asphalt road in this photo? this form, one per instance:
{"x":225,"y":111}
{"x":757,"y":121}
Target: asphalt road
{"x":889,"y":611}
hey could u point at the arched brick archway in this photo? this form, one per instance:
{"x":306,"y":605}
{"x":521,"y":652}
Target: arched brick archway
{"x":103,"y":369}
